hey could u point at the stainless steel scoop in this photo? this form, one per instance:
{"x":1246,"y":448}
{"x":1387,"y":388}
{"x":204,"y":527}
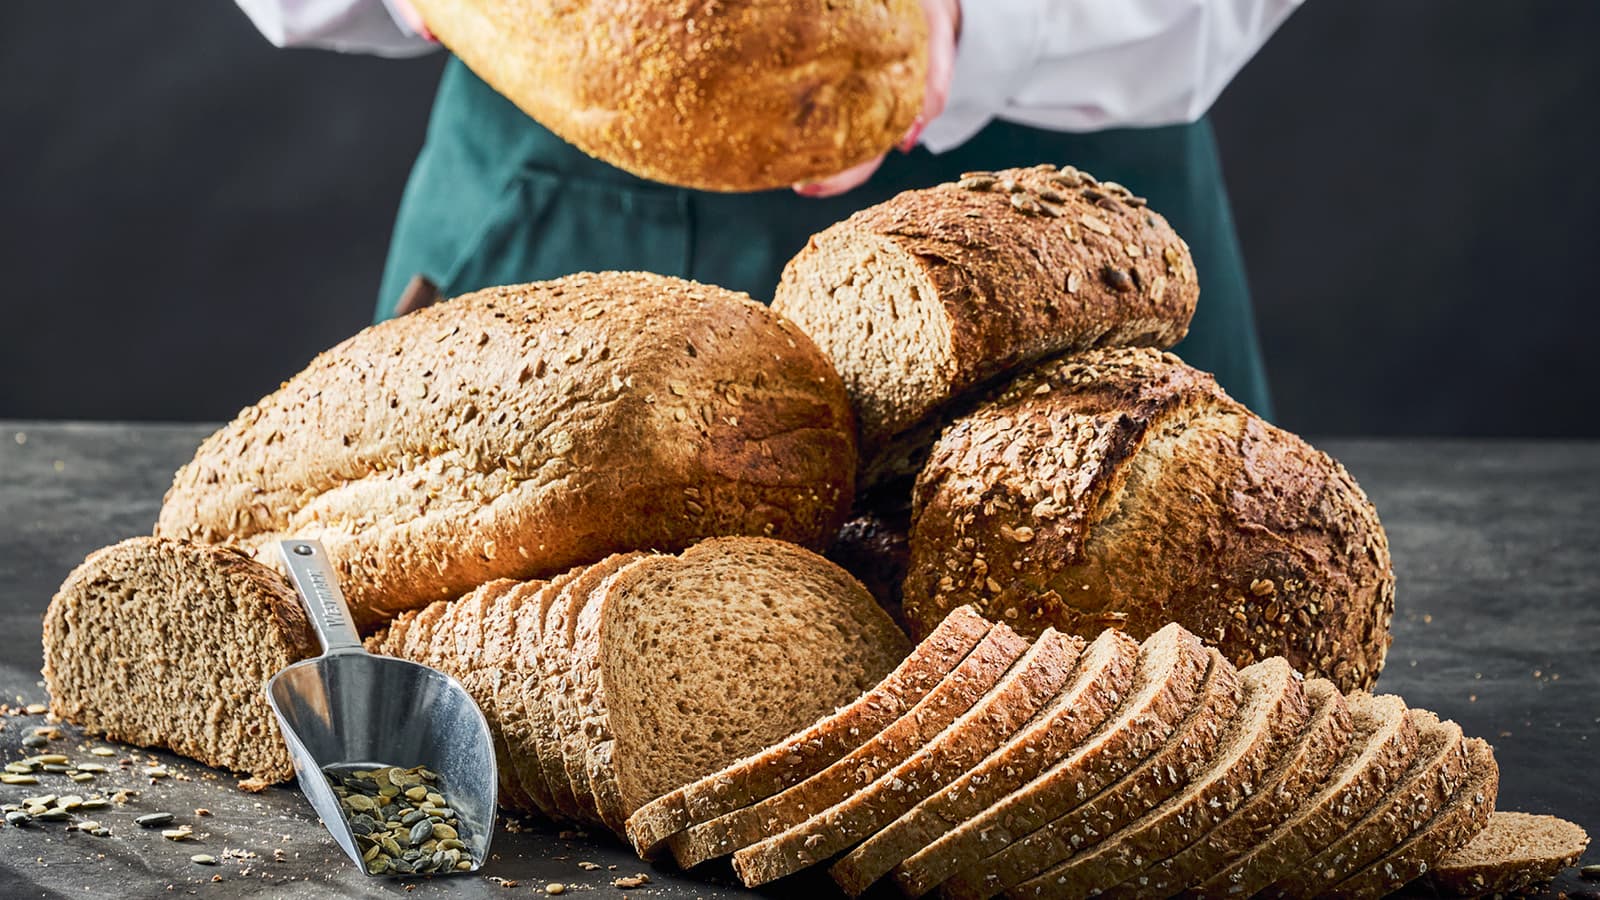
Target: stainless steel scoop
{"x":349,"y":708}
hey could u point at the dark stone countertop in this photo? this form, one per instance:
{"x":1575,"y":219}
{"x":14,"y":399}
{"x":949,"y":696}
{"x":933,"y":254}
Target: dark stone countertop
{"x":1497,"y":546}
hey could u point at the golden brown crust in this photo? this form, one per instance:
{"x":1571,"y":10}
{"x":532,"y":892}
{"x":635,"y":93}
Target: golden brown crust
{"x":502,"y":434}
{"x":720,"y":95}
{"x":1020,"y":263}
{"x":1121,"y":488}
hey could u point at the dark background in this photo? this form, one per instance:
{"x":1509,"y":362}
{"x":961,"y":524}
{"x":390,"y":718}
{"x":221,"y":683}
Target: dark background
{"x":187,"y":215}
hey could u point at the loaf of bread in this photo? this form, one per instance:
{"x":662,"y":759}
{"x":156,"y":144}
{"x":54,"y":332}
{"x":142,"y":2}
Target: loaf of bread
{"x":729,"y":96}
{"x":162,"y":643}
{"x":1123,"y":768}
{"x":1122,"y":488}
{"x":653,"y":670}
{"x":519,"y":431}
{"x":922,"y":298}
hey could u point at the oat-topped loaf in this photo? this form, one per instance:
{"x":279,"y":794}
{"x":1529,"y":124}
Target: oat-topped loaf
{"x":162,"y":643}
{"x":736,"y":95}
{"x":934,"y":292}
{"x":1122,"y":488}
{"x":519,"y":431}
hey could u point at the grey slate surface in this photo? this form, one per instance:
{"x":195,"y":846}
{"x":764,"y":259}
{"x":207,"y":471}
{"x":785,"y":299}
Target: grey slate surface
{"x":1498,"y":626}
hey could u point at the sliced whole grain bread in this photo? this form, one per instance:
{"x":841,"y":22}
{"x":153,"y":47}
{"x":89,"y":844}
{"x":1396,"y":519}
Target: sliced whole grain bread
{"x":1439,"y":767}
{"x":969,"y":682}
{"x":1167,"y":683}
{"x":164,"y":643}
{"x":1455,"y":824}
{"x":525,"y":710}
{"x":1029,"y":685}
{"x":491,"y":667}
{"x":738,"y":644}
{"x":1299,"y":770}
{"x":1272,"y":717}
{"x":1515,"y":852}
{"x":1099,"y":683}
{"x":807,"y":752}
{"x":1378,"y":756}
{"x":1161,"y":774}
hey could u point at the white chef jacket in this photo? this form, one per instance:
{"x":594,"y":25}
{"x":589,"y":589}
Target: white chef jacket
{"x":1063,"y":65}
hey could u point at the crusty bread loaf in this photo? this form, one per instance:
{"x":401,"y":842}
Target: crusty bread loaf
{"x":163,"y":643}
{"x":1514,"y":852}
{"x":732,"y":96}
{"x":966,"y":685}
{"x":937,"y":291}
{"x":813,"y":749}
{"x":1123,"y":488}
{"x":519,"y":431}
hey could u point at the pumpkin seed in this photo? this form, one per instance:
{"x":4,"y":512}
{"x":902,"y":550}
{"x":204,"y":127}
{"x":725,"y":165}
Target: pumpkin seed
{"x":53,"y":815}
{"x":17,"y":818}
{"x":18,"y":768}
{"x":34,"y":740}
{"x":153,"y":820}
{"x":203,"y":859}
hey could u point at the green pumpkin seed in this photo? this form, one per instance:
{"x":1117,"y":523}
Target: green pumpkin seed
{"x":203,"y":859}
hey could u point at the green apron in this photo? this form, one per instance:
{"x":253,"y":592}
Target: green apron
{"x":495,"y":198}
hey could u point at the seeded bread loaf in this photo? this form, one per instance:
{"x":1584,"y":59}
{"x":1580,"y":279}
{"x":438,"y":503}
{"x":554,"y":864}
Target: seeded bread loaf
{"x":519,"y":431}
{"x":1123,"y":488}
{"x":1083,"y":824}
{"x":807,"y":752}
{"x":1315,"y":752}
{"x":1437,"y":769}
{"x":736,"y":96}
{"x":1467,"y":813}
{"x":1515,"y":851}
{"x":1099,"y":683}
{"x":162,"y":643}
{"x":1273,"y":715}
{"x":1380,"y":753}
{"x":1012,"y":702}
{"x":924,"y":297}
{"x":965,"y":686}
{"x":1167,"y":685}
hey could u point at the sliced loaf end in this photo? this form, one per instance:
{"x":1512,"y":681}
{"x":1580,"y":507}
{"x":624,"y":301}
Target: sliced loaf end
{"x":744,"y":641}
{"x":165,"y":643}
{"x":1516,"y":850}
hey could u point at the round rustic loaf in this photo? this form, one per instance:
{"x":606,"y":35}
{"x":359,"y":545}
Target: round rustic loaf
{"x":935,"y":292}
{"x":732,"y":95}
{"x":1122,"y":488}
{"x":519,"y":431}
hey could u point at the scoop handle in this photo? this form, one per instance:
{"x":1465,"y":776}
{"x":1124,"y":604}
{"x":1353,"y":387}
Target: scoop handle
{"x":318,"y":586}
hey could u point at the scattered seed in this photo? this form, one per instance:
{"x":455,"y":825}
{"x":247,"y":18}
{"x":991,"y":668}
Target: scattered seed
{"x":202,"y":811}
{"x":203,"y":859}
{"x":18,"y":768}
{"x":95,"y":803}
{"x":100,"y":751}
{"x":1590,"y":872}
{"x":9,"y":778}
{"x":18,"y":818}
{"x":157,"y":772}
{"x":88,"y":825}
{"x":34,"y":740}
{"x":91,"y":767}
{"x":631,"y":881}
{"x":53,"y":815}
{"x":35,"y":709}
{"x":70,"y":801}
{"x":177,"y":834}
{"x":153,"y":820}
{"x":45,"y":759}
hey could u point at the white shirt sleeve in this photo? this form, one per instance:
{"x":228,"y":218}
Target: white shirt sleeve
{"x":1085,"y":65}
{"x":349,"y":26}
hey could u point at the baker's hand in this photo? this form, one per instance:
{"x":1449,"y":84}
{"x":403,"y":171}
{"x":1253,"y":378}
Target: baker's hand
{"x":413,"y":19}
{"x":944,"y":23}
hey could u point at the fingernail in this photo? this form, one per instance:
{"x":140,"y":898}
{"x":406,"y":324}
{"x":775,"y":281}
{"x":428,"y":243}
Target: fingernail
{"x":808,"y":189}
{"x":909,"y":142}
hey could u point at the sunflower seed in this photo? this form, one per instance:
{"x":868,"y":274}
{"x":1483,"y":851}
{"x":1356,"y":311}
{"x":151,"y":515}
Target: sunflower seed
{"x":34,"y":740}
{"x":18,"y":768}
{"x":100,"y":751}
{"x":9,"y":778}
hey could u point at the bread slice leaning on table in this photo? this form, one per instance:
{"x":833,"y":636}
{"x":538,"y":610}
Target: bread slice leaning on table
{"x":519,"y":431}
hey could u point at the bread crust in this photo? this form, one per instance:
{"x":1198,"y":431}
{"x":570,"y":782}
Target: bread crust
{"x":496,"y":435}
{"x":730,"y":95}
{"x":1122,"y":488}
{"x":1001,"y":269}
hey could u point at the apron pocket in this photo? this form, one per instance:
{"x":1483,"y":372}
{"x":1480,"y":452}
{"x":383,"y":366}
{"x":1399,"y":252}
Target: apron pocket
{"x":546,"y":225}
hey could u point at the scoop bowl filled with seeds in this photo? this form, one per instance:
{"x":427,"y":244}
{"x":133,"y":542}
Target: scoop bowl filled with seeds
{"x":394,"y":756}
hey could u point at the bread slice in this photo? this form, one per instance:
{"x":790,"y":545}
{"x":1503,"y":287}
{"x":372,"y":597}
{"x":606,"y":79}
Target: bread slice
{"x":725,"y":650}
{"x":921,"y":298}
{"x":1273,"y":715}
{"x":1100,"y":682}
{"x":958,"y":692}
{"x":1515,"y":852}
{"x":165,"y":643}
{"x":1298,"y":771}
{"x":1030,"y":684}
{"x":1172,"y":766}
{"x":1467,"y":813}
{"x":1438,"y":768}
{"x":1379,"y":755}
{"x":807,"y":752}
{"x":517,"y":697}
{"x":489,"y":668}
{"x":1172,"y":667}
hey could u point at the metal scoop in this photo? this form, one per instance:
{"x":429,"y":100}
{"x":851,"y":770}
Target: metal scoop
{"x":348,"y":708}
